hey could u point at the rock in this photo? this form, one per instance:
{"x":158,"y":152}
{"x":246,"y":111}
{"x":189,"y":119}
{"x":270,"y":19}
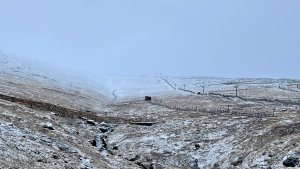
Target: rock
{"x":99,"y":142}
{"x":40,"y":160}
{"x":69,"y":167}
{"x":64,"y":148}
{"x":136,"y":157}
{"x":93,"y":142}
{"x":9,"y":124}
{"x":105,"y":124}
{"x":49,"y":126}
{"x":156,"y":166}
{"x":144,"y":165}
{"x":86,"y":164}
{"x":55,"y":114}
{"x":195,"y":165}
{"x":44,"y":140}
{"x":66,"y":160}
{"x":291,"y":162}
{"x":104,"y":129}
{"x":83,"y":118}
{"x":91,"y":122}
{"x":238,"y":161}
{"x":55,"y":156}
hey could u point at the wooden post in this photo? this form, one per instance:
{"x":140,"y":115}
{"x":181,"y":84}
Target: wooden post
{"x":236,"y":90}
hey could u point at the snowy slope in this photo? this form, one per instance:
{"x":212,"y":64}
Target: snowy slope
{"x":126,"y":86}
{"x":35,"y":71}
{"x":119,"y":86}
{"x":108,"y":85}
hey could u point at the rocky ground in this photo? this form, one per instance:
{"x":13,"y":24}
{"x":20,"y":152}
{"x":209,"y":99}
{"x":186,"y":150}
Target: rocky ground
{"x":259,"y":128}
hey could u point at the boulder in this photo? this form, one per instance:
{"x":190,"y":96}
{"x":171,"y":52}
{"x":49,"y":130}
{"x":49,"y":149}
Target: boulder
{"x":49,"y":126}
{"x":104,"y":129}
{"x":91,"y":122}
{"x":291,"y":162}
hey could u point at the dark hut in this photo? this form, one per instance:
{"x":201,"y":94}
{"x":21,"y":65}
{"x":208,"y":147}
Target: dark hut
{"x":148,"y":98}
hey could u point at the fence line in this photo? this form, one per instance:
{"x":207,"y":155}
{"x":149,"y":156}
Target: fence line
{"x":282,"y":101}
{"x":185,"y":90}
{"x":214,"y":111}
{"x":166,"y":80}
{"x":288,"y":89}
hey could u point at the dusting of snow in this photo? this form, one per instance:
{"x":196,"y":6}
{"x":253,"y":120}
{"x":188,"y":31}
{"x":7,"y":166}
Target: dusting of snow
{"x":216,"y":135}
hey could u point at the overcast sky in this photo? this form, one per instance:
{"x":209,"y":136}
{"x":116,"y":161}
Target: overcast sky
{"x":233,"y":38}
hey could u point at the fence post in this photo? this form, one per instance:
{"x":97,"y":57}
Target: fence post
{"x":236,"y":90}
{"x":203,"y":90}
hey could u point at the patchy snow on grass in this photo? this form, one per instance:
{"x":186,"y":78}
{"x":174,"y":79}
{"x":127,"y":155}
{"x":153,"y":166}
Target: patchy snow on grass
{"x":214,"y":153}
{"x":115,"y":138}
{"x":215,"y":135}
{"x":262,"y":161}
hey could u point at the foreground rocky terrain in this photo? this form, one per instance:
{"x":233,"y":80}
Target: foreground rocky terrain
{"x":48,"y":126}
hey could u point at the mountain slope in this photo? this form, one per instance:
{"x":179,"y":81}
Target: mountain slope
{"x":48,"y":124}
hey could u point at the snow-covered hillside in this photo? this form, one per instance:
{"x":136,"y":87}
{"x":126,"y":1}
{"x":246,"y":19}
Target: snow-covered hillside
{"x":126,"y":86}
{"x":49,"y":119}
{"x":36,"y":71}
{"x":115,"y":87}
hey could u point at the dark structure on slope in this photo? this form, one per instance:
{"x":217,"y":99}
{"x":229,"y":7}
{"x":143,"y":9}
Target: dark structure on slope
{"x":148,"y":98}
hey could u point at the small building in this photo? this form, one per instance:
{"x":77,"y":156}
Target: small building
{"x":148,"y":98}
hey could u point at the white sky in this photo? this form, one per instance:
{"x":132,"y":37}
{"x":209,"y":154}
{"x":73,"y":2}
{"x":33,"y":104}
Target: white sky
{"x":231,"y":38}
